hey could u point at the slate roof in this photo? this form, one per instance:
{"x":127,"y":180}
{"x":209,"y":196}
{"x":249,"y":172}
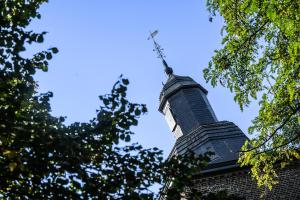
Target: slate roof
{"x":223,"y":138}
{"x":175,"y":83}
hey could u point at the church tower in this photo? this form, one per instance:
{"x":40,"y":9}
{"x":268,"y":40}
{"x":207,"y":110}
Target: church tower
{"x":192,"y":120}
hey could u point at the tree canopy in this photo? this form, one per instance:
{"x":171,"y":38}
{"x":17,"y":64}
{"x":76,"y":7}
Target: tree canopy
{"x":260,"y":60}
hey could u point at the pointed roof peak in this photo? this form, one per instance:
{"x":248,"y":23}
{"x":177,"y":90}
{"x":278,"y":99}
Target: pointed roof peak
{"x":168,"y":70}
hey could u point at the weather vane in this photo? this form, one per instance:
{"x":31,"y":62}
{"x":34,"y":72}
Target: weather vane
{"x":160,"y":53}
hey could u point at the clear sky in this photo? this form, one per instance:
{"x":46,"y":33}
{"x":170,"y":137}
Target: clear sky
{"x":101,"y":39}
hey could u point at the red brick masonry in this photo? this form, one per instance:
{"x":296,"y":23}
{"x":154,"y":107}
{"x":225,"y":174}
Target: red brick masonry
{"x":240,"y":183}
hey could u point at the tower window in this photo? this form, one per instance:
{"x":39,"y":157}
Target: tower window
{"x":169,"y":116}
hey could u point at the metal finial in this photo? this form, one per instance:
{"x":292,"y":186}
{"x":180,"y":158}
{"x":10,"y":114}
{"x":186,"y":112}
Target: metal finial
{"x":160,"y":53}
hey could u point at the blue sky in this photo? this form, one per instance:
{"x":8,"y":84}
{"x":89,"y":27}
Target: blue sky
{"x":101,"y":39}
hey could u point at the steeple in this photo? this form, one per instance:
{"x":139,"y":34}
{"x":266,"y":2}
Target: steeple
{"x":182,"y":100}
{"x":192,"y":120}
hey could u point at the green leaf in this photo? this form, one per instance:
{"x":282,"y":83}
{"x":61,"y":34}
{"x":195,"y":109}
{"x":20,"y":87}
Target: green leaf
{"x":49,"y":56}
{"x":144,"y":109}
{"x":40,"y":38}
{"x":44,"y":68}
{"x":125,"y":81}
{"x":127,"y":138}
{"x":137,"y":112}
{"x":54,"y":50}
{"x":12,"y":166}
{"x":105,"y":101}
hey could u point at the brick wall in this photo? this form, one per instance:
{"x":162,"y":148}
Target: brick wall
{"x":240,"y":183}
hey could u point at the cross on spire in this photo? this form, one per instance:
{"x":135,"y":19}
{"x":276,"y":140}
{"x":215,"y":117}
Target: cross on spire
{"x":160,"y":53}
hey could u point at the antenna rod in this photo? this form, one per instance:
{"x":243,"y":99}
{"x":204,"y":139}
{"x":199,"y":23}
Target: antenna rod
{"x":160,"y":53}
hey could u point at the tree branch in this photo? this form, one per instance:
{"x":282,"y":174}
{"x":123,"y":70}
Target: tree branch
{"x":279,"y":146}
{"x":274,"y":132}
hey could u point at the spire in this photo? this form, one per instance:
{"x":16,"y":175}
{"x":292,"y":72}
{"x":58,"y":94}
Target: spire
{"x":160,"y":53}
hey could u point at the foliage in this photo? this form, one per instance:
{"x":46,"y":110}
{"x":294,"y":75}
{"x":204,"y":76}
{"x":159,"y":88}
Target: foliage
{"x":43,"y":158}
{"x":260,"y":60}
{"x":178,"y":176}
